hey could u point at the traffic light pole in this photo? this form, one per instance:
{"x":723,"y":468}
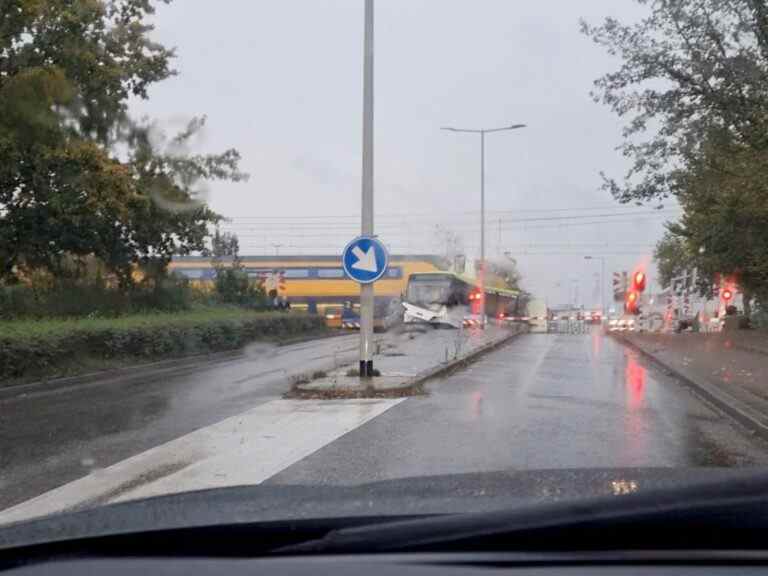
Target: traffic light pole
{"x":366,"y":290}
{"x":603,"y":279}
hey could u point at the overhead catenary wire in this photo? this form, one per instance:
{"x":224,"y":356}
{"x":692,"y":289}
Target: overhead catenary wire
{"x":491,"y":216}
{"x":505,"y":223}
{"x":409,"y":232}
{"x":297,"y":232}
{"x":517,"y":254}
{"x":602,"y":207}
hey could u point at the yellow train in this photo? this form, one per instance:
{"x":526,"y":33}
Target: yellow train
{"x":318,"y":284}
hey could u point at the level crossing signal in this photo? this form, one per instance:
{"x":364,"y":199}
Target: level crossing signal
{"x":632,"y":303}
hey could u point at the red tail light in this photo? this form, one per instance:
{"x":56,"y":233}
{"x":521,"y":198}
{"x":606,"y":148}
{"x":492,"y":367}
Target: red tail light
{"x":638,"y":281}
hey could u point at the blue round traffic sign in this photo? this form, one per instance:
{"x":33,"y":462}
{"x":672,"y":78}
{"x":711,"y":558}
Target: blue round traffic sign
{"x":365,"y":259}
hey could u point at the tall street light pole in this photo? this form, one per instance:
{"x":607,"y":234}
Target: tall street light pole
{"x":482,"y":132}
{"x":602,"y":281}
{"x":366,"y":229}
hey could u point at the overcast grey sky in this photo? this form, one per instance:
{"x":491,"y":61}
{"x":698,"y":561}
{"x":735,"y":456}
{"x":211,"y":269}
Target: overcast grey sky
{"x":281,"y":81}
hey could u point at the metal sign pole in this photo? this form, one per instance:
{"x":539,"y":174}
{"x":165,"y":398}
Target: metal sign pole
{"x":366,"y":290}
{"x":482,"y":229}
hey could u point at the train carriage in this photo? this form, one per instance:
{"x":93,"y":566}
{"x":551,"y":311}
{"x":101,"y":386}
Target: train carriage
{"x":318,"y":284}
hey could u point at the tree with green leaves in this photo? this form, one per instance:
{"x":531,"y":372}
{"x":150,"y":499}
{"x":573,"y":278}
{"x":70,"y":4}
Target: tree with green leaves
{"x":693,"y":85}
{"x":690,"y":67}
{"x":79,"y":178}
{"x":232,"y":284}
{"x":725,"y":216}
{"x":672,"y":258}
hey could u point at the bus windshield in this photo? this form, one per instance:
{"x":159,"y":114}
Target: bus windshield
{"x":427,"y":290}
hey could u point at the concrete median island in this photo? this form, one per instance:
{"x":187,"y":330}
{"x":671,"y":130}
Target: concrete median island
{"x":405,"y":362}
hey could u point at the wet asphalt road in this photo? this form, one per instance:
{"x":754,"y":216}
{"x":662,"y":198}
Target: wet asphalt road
{"x":545,"y":401}
{"x":51,"y":436}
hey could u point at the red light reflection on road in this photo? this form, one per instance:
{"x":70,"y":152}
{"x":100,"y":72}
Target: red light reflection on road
{"x":634,"y":375}
{"x":477,"y":404}
{"x":597,"y":342}
{"x":636,"y":425}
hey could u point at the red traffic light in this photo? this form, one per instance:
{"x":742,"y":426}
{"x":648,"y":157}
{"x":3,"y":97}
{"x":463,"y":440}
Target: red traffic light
{"x":727,"y":294}
{"x":632,"y":302}
{"x":638,"y":281}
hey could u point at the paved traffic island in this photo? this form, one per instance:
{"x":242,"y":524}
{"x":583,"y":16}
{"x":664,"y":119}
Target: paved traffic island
{"x":405,"y":363}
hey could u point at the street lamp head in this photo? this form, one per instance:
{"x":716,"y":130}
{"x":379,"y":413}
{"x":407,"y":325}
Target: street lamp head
{"x":483,"y":130}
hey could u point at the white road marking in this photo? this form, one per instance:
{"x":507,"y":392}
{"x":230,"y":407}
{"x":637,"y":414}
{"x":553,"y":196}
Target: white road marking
{"x":244,"y":449}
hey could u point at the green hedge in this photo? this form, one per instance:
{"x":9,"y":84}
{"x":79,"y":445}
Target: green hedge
{"x":64,"y":298}
{"x":52,"y":347}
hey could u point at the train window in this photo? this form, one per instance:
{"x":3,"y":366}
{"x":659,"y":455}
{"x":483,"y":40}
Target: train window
{"x":296,"y":273}
{"x":394,"y":273}
{"x":330,"y":273}
{"x":257,"y":272}
{"x":191,"y":273}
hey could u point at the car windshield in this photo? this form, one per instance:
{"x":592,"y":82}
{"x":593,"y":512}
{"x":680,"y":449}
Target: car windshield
{"x":423,"y":290}
{"x":429,"y":255}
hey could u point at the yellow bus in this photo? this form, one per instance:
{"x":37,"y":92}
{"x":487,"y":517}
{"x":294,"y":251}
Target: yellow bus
{"x":316,"y":284}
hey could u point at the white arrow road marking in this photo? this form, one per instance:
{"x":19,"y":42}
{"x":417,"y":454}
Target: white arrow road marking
{"x":365,"y":260}
{"x":242,"y":450}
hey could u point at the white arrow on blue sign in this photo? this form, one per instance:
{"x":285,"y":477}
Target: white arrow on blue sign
{"x":365,"y":259}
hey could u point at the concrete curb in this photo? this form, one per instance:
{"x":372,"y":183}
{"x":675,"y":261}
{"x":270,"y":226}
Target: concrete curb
{"x":172,"y":366}
{"x":749,"y":418}
{"x":410,"y":387}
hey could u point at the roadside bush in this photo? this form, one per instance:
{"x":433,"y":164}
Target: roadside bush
{"x":65,"y":298}
{"x":32,"y":349}
{"x":17,"y":301}
{"x":168,"y":293}
{"x":233,"y":286}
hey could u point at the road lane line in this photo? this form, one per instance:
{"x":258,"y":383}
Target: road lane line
{"x":244,"y":449}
